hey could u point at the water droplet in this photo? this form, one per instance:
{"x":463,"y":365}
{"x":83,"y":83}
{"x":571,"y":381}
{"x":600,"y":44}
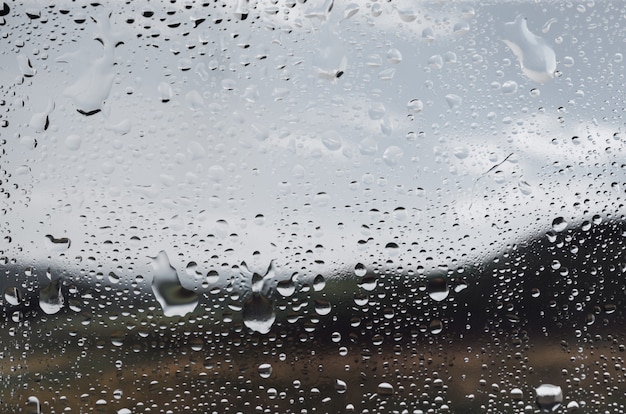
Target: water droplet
{"x":435,"y":327}
{"x":51,"y":298}
{"x":407,"y":15}
{"x":196,"y":344}
{"x":57,"y":245}
{"x":536,"y":57}
{"x":461,"y":28}
{"x":549,"y":397}
{"x":212,"y":276}
{"x":461,"y":152}
{"x":340,"y":386}
{"x":392,"y":155}
{"x":194,"y":100}
{"x":384,"y":388}
{"x":12,"y":295}
{"x":92,"y":88}
{"x":25,"y":66}
{"x":40,"y":120}
{"x":368,"y":146}
{"x":524,"y":187}
{"x":350,"y":10}
{"x":428,"y":34}
{"x":265,"y":370}
{"x":322,"y":307}
{"x":286,"y":287}
{"x":360,"y":270}
{"x":394,"y":56}
{"x":33,"y":406}
{"x":114,"y":278}
{"x":454,"y":101}
{"x":165,"y":92}
{"x":377,"y":110}
{"x":517,"y":394}
{"x":242,"y":9}
{"x":559,"y":224}
{"x":415,"y":105}
{"x":331,"y":140}
{"x":73,"y":142}
{"x":369,"y":282}
{"x":175,"y":299}
{"x":438,"y":288}
{"x":258,"y":313}
{"x":509,"y":87}
{"x":319,"y":283}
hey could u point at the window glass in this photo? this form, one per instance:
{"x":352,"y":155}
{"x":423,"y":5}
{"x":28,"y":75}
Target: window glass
{"x":312,"y":206}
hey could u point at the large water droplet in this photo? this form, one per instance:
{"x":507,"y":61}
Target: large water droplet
{"x":392,"y":155}
{"x":536,"y":57}
{"x":549,"y":397}
{"x":559,"y":224}
{"x":92,"y":88}
{"x":384,"y":388}
{"x":51,"y":297}
{"x":319,"y":283}
{"x":360,"y":270}
{"x":175,"y":299}
{"x":331,"y":140}
{"x":322,"y":307}
{"x":258,"y":313}
{"x":265,"y":370}
{"x":438,"y":288}
{"x":12,"y":295}
{"x":341,"y":386}
{"x":33,"y":406}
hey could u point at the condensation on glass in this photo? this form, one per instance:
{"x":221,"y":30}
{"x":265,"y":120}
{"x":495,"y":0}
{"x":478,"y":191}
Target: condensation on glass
{"x":312,"y":206}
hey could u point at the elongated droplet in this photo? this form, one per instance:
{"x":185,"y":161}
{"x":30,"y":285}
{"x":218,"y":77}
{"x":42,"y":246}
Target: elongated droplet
{"x":175,"y":299}
{"x":51,"y":297}
{"x":258,"y":313}
{"x":536,"y":57}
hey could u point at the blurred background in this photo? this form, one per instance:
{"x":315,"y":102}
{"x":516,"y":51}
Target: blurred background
{"x":312,"y":206}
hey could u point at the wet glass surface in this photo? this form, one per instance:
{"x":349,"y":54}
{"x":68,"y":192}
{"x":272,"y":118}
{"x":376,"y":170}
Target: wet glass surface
{"x":312,"y":206}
